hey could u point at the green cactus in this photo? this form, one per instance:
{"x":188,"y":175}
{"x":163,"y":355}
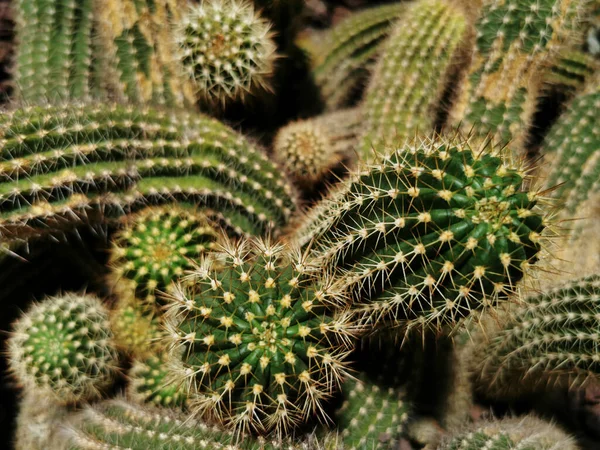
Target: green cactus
{"x":572,"y":159}
{"x":411,"y":75}
{"x":64,"y":347}
{"x":526,"y":432}
{"x":117,"y":424}
{"x":571,"y":71}
{"x":135,"y":325}
{"x":514,"y":39}
{"x":54,"y":50}
{"x":429,"y":233}
{"x":157,"y":246}
{"x":226,"y":49}
{"x":137,"y":52}
{"x":373,"y":415}
{"x":64,"y":166}
{"x":550,"y":340}
{"x":342,"y":62}
{"x":252,"y":340}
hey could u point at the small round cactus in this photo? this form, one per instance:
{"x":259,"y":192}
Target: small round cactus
{"x":135,"y":326}
{"x":253,"y":340}
{"x":227,"y":49}
{"x":305,"y":151}
{"x":156,"y":247}
{"x":64,"y":347}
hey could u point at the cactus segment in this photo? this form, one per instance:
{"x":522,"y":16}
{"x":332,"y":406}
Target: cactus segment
{"x":571,"y":71}
{"x":349,"y":50}
{"x":412,"y":72}
{"x":551,"y":339}
{"x":158,"y":246}
{"x":54,"y":50}
{"x":135,"y":326}
{"x":514,"y":38}
{"x":63,"y":347}
{"x":226,"y":49}
{"x":61,"y":167}
{"x":253,"y":340}
{"x":429,"y":233}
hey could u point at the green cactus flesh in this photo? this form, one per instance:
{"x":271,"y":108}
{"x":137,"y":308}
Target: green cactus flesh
{"x":432,"y":231}
{"x":135,"y":325}
{"x":61,"y":167}
{"x":571,"y":70}
{"x":158,"y":246}
{"x":551,"y":339}
{"x":253,"y":341}
{"x":64,"y":347}
{"x":148,"y":382}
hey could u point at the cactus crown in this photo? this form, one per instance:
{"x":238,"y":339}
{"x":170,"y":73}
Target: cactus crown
{"x":157,"y":246}
{"x":64,"y":347}
{"x":431,"y":232}
{"x":226,"y":48}
{"x":253,"y":339}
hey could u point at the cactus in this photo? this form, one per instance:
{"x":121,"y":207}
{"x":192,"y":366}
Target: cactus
{"x":64,"y":166}
{"x":514,"y":39}
{"x":63,"y":347}
{"x":117,"y":424}
{"x":372,"y":415}
{"x":54,"y":51}
{"x":226,"y":49}
{"x":38,"y":421}
{"x":410,"y":77}
{"x":157,"y":246}
{"x":572,"y":159}
{"x":571,"y":71}
{"x":526,"y":432}
{"x":135,"y":326}
{"x":431,"y":232}
{"x":137,"y":52}
{"x":550,"y":340}
{"x":252,"y":339}
{"x":344,"y":60}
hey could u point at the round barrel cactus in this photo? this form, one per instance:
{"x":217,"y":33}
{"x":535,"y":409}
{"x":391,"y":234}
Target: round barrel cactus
{"x":252,"y":339}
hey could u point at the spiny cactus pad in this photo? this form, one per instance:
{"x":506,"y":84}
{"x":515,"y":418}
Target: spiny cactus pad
{"x":66,"y":166}
{"x":430,"y":232}
{"x":158,"y":246}
{"x":551,"y":339}
{"x":254,"y":341}
{"x":64,"y":347}
{"x":226,"y":48}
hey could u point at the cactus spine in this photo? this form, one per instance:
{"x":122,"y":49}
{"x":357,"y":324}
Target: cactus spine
{"x":412,"y":72}
{"x":350,"y":48}
{"x":430,"y":232}
{"x":64,"y":166}
{"x":513,"y":39}
{"x":64,"y":348}
{"x":252,"y":340}
{"x":552,"y":338}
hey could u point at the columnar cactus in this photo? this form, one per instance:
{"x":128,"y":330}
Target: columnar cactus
{"x":512,"y":433}
{"x":117,"y":424}
{"x":372,"y":415}
{"x":551,"y":339}
{"x":513,"y":39}
{"x":350,"y":48}
{"x":61,"y":167}
{"x":252,"y":340}
{"x":63,"y":347}
{"x":412,"y":72}
{"x":226,"y":49}
{"x":137,"y":52}
{"x":433,"y":230}
{"x":157,"y":246}
{"x":54,"y":50}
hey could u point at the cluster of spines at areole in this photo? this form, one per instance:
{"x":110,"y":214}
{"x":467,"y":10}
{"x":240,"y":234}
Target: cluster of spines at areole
{"x":251,"y":336}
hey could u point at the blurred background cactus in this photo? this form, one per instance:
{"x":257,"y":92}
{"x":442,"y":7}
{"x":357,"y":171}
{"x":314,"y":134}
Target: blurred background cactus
{"x":288,"y":224}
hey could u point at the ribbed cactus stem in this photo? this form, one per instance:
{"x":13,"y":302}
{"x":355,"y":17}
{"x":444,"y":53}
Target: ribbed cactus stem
{"x":430,"y":232}
{"x":349,"y":50}
{"x":61,"y":167}
{"x":412,"y":72}
{"x":552,"y":339}
{"x":63,"y":347}
{"x":514,"y":38}
{"x":252,"y":340}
